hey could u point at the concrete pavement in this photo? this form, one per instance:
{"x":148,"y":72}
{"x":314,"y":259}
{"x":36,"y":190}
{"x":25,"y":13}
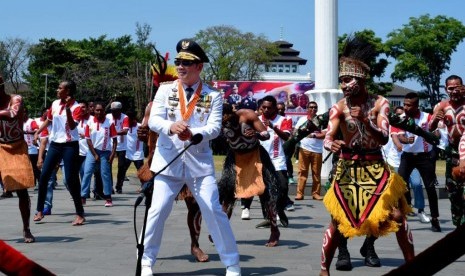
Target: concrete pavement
{"x":106,"y":245}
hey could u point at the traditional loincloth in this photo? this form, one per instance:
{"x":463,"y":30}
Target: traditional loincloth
{"x":249,"y":179}
{"x":363,"y":194}
{"x":15,"y":167}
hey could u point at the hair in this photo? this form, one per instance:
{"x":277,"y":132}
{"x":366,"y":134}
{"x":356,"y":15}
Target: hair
{"x":454,"y":77}
{"x":270,"y":99}
{"x":229,"y":116}
{"x":312,"y":102}
{"x":412,"y":96}
{"x":100,"y":103}
{"x":281,"y":103}
{"x":71,"y":86}
{"x":399,"y":107}
{"x":131,"y":114}
{"x":84,"y":102}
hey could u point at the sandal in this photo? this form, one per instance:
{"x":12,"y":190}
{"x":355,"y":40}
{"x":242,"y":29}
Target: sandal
{"x":38,"y":217}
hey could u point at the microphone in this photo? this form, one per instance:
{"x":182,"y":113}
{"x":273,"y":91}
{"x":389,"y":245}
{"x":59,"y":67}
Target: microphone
{"x":195,"y":139}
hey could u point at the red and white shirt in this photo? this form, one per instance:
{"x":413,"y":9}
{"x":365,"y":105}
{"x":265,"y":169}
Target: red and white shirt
{"x":83,"y":146}
{"x":120,"y":123}
{"x":419,"y":145}
{"x":45,"y":133}
{"x":134,"y":148}
{"x":101,"y":134}
{"x":60,"y":131}
{"x":29,"y":126}
{"x":274,"y":145}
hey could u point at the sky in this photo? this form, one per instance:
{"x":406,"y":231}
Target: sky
{"x":290,"y":20}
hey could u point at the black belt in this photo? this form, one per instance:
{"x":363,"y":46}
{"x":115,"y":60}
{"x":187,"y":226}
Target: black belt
{"x":417,"y":153}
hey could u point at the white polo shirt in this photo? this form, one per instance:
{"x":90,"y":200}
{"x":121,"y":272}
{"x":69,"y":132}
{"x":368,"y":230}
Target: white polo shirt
{"x":120,"y":123}
{"x":274,"y":145}
{"x":83,"y":146}
{"x":309,"y":144}
{"x":60,"y":131}
{"x":419,"y":145}
{"x":134,"y":148}
{"x":28,"y":126}
{"x":101,"y":133}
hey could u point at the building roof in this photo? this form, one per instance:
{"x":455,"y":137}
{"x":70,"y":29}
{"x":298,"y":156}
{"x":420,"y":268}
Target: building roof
{"x":399,"y":91}
{"x":287,"y":54}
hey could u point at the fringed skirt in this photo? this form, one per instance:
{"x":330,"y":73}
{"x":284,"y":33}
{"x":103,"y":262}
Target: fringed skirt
{"x":362,"y":196}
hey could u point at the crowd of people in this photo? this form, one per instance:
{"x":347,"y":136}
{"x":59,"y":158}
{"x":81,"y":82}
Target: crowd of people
{"x":370,"y":195}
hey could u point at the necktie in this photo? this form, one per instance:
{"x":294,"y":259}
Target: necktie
{"x":189,"y":91}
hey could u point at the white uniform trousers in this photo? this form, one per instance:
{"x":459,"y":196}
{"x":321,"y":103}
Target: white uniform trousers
{"x":205,"y":191}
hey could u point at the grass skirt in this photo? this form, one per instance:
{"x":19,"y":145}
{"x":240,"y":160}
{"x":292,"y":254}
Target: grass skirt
{"x":362,"y":196}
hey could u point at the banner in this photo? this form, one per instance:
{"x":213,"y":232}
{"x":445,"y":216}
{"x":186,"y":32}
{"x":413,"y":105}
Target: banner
{"x":292,"y":94}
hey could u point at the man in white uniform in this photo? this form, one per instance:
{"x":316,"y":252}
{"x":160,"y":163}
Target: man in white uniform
{"x":180,"y":110}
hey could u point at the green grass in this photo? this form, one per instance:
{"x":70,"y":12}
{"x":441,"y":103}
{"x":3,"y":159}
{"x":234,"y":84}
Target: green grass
{"x":219,"y":160}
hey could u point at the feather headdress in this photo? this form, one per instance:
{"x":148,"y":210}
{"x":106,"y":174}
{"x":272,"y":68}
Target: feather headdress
{"x":161,"y":71}
{"x":355,"y":57}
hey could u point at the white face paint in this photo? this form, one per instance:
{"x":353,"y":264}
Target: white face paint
{"x":349,"y":85}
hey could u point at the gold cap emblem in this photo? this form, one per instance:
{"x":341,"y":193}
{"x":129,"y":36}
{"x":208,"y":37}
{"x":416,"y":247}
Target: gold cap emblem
{"x":185,"y":45}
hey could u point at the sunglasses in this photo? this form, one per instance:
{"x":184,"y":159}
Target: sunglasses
{"x":185,"y":63}
{"x":313,"y":107}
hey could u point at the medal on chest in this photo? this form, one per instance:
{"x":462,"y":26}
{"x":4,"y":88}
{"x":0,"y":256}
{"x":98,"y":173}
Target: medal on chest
{"x":203,"y":106}
{"x":173,"y":101}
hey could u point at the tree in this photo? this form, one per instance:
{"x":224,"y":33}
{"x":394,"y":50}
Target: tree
{"x":423,"y":49}
{"x":104,"y":69}
{"x":13,"y":61}
{"x":234,"y":55}
{"x":378,"y":62}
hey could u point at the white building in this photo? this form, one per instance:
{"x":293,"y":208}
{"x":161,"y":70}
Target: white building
{"x":286,"y":66}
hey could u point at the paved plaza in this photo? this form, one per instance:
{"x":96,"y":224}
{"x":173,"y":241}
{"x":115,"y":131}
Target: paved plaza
{"x":106,"y":245}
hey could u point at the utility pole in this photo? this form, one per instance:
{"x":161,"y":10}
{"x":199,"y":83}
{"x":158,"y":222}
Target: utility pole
{"x":45,"y":89}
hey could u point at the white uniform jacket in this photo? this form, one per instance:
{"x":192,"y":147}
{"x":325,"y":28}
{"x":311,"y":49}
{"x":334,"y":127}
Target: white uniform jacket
{"x":197,"y":161}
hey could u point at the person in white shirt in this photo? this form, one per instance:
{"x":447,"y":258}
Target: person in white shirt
{"x":310,"y":155}
{"x":100,"y":135}
{"x":29,"y":128}
{"x":417,"y":153}
{"x":121,"y":122}
{"x":64,"y":137}
{"x":134,"y":147}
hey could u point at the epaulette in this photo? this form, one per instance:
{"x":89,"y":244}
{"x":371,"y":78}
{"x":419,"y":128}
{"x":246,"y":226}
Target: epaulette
{"x":166,"y":82}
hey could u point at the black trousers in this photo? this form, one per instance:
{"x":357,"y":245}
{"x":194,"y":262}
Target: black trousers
{"x":425,"y":163}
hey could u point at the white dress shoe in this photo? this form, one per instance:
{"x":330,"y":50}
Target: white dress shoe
{"x":233,"y":270}
{"x":146,"y":271}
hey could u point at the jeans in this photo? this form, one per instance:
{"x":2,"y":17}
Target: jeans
{"x":105,"y":169}
{"x":415,"y":184}
{"x":51,"y":184}
{"x":69,"y":152}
